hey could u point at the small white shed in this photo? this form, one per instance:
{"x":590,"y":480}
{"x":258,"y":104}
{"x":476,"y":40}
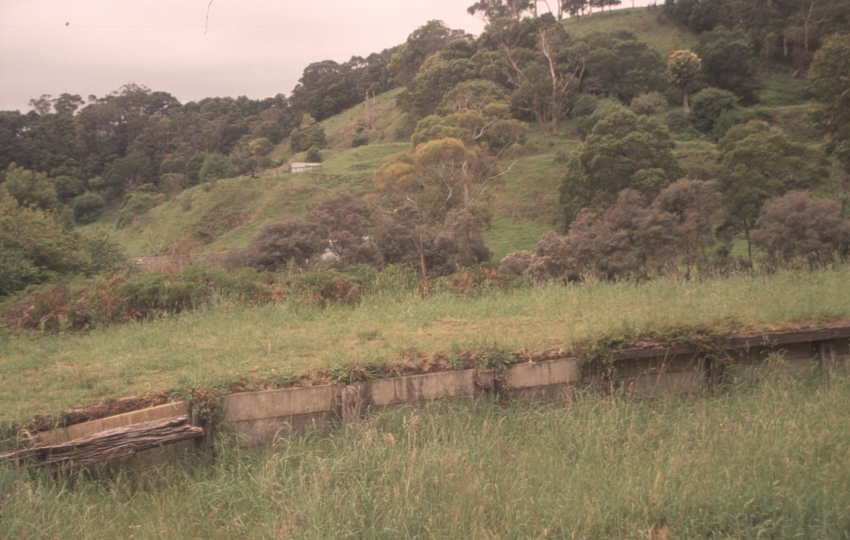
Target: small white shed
{"x":303,"y":167}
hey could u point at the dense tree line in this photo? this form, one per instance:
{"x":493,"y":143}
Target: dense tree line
{"x":781,"y":31}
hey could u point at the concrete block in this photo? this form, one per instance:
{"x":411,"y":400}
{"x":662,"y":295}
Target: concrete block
{"x":278,"y":403}
{"x":541,"y":374}
{"x":418,"y":388}
{"x":261,"y":417}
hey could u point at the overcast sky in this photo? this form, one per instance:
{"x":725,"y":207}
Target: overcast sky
{"x":256,"y":48}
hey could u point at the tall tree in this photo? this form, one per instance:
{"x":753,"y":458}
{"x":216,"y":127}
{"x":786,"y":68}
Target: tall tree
{"x":684,"y":66}
{"x":543,"y":66}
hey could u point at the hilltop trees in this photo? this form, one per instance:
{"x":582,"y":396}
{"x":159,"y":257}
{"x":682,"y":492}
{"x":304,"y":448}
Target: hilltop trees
{"x":132,"y":138}
{"x":491,"y":10}
{"x":424,"y":42}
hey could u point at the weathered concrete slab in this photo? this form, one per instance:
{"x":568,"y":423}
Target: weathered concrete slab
{"x":428,"y":387}
{"x":58,"y":436}
{"x":546,"y":381}
{"x":260,"y":417}
{"x":546,"y":373}
{"x":276,"y":403}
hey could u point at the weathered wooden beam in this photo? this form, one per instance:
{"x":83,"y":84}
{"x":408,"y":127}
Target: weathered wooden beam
{"x":110,"y":444}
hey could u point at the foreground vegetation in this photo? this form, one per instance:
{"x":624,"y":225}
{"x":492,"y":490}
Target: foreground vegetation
{"x":227,"y":341}
{"x":761,"y":458}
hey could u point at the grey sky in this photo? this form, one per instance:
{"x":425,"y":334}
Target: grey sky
{"x":256,"y":48}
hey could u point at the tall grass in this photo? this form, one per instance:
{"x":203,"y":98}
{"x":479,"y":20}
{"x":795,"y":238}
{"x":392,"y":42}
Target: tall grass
{"x":227,"y":341}
{"x":762,"y":458}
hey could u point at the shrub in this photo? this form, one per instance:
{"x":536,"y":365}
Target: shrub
{"x":649,"y":103}
{"x":410,"y":238}
{"x":799,"y":226}
{"x":88,"y":207}
{"x":729,"y":119}
{"x":216,"y":167}
{"x":396,"y":279}
{"x":35,"y":247}
{"x":277,"y":243}
{"x":516,"y":262}
{"x":698,"y":209}
{"x":708,"y":104}
{"x":681,"y":127}
{"x":361,"y":139}
{"x":313,"y":155}
{"x":125,"y":297}
{"x":325,"y":288}
{"x":584,"y":105}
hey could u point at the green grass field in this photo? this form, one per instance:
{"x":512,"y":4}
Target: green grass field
{"x":760,"y":458}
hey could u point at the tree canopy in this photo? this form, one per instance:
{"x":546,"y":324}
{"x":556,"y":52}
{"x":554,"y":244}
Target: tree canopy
{"x":623,"y":151}
{"x":830,"y":79}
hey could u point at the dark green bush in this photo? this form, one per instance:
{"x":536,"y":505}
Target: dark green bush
{"x":649,"y":103}
{"x":730,"y":118}
{"x":313,"y":155}
{"x":216,"y":167}
{"x":88,"y":207}
{"x":584,"y":105}
{"x":708,"y":104}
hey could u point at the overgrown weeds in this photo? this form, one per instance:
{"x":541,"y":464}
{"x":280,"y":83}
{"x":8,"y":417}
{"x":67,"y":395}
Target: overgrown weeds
{"x":764,"y":458}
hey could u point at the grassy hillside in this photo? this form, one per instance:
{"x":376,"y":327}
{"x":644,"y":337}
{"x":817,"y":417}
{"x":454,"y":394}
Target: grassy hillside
{"x":665,"y":37}
{"x":226,"y":214}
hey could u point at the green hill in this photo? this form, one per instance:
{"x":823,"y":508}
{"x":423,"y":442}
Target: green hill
{"x":225,"y":214}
